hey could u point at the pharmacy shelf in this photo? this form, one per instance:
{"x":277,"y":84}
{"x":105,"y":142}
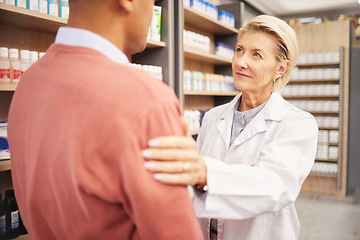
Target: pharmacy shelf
{"x":155,"y":44}
{"x":324,"y":114}
{"x":323,"y":175}
{"x":314,"y":81}
{"x":206,"y":23}
{"x":193,"y":133}
{"x":315,"y":65}
{"x":312,"y":97}
{"x":5,"y":165}
{"x":205,"y":93}
{"x":32,"y":20}
{"x":205,"y":57}
{"x":326,"y":160}
{"x":8,"y":86}
{"x":328,"y":128}
{"x":22,"y":237}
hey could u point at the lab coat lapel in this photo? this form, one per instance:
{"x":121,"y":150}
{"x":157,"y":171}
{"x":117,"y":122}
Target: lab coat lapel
{"x":225,"y":122}
{"x":273,"y":111}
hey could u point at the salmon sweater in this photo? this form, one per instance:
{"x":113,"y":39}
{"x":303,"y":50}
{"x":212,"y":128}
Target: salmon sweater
{"x":77,"y":124}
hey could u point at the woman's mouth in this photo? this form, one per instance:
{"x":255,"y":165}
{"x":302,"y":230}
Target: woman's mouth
{"x":242,"y":74}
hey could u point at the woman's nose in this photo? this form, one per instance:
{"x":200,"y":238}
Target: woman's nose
{"x":241,"y":62}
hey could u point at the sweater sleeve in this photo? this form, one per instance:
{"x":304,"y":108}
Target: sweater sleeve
{"x":159,"y":211}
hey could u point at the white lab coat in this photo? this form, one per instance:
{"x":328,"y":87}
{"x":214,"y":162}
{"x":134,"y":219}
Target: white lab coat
{"x":252,"y":184}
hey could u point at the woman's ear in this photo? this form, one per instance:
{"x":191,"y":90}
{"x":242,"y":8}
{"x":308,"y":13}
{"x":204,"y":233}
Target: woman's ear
{"x":126,"y":5}
{"x":282,"y":68}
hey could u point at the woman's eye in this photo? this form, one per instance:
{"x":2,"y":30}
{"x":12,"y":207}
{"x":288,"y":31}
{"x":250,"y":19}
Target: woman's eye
{"x":256,"y":54}
{"x":238,"y":50}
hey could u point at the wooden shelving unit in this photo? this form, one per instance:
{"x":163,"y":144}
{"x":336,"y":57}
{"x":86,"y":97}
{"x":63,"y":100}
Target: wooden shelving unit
{"x":325,"y":160}
{"x":194,"y":133}
{"x":23,"y":237}
{"x":328,"y":128}
{"x":311,"y":40}
{"x":203,"y":93}
{"x":334,"y":81}
{"x":8,"y":86}
{"x":195,"y":60}
{"x":320,"y":64}
{"x":332,"y":176}
{"x":202,"y":21}
{"x":155,"y":44}
{"x":205,"y":57}
{"x":313,"y":97}
{"x":27,"y":19}
{"x":5,"y":165}
{"x":316,"y":81}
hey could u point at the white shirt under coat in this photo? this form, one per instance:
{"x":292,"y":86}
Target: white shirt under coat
{"x":253,"y":184}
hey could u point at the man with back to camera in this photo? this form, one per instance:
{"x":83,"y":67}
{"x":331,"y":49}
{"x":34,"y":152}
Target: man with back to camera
{"x":77,"y":123}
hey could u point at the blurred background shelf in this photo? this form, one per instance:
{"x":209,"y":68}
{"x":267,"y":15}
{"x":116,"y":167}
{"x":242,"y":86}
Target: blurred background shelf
{"x":5,"y":165}
{"x":32,"y":20}
{"x":204,"y":93}
{"x":8,"y":86}
{"x":200,"y":20}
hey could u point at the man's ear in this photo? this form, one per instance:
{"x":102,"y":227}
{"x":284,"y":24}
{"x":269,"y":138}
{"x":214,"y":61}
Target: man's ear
{"x":126,"y":5}
{"x":282,"y":68}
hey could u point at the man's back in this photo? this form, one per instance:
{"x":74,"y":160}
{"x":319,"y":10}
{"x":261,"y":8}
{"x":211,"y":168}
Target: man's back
{"x":77,"y":124}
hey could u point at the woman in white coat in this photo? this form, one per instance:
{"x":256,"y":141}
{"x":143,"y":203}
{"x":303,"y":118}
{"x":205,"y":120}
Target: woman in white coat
{"x":254,"y":153}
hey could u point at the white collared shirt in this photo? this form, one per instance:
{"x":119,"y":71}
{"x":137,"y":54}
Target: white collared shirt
{"x":78,"y":37}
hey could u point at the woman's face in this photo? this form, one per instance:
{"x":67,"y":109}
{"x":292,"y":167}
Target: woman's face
{"x":254,"y":64}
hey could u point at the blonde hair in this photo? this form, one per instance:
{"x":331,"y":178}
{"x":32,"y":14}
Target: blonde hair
{"x":287,"y":47}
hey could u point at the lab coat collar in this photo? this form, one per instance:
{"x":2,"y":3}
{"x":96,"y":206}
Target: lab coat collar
{"x":273,"y":111}
{"x":225,"y":122}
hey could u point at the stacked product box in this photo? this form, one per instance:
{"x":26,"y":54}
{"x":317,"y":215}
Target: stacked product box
{"x":198,"y":81}
{"x":155,"y":26}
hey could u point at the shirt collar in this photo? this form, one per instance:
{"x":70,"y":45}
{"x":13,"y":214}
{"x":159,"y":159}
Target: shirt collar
{"x":78,"y":37}
{"x":273,"y":110}
{"x":246,"y":116}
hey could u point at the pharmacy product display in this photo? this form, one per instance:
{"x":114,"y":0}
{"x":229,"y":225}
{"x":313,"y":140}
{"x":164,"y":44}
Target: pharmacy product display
{"x":206,"y":76}
{"x":2,"y":219}
{"x":198,"y":81}
{"x":51,"y":7}
{"x":224,"y":50}
{"x":13,"y":64}
{"x":155,"y":26}
{"x":11,"y":214}
{"x":194,"y":119}
{"x":211,"y":11}
{"x":315,"y":87}
{"x":4,"y":145}
{"x":4,"y":65}
{"x":196,"y":41}
{"x":64,"y":9}
{"x":204,"y":7}
{"x":155,"y":71}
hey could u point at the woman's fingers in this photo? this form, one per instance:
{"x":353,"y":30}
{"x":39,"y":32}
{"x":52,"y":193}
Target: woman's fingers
{"x":183,"y":179}
{"x":174,"y":160}
{"x":169,"y":154}
{"x":169,"y":167}
{"x":172,"y":142}
{"x":183,"y":173}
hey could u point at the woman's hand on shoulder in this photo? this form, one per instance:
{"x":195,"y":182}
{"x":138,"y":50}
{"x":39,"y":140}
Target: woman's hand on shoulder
{"x":174,"y":160}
